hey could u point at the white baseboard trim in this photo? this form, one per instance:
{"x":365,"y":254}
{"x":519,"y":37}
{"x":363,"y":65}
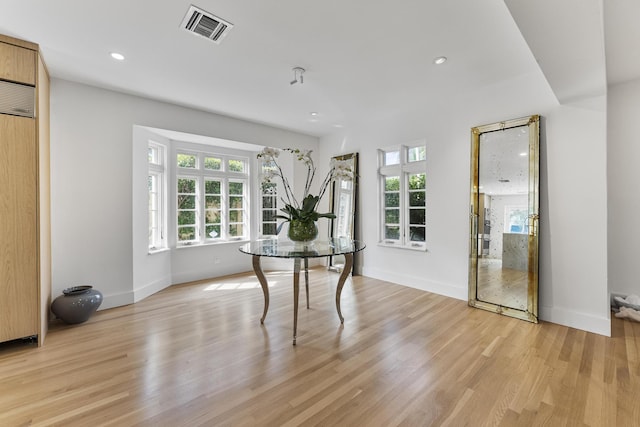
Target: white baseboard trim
{"x":445,"y":289}
{"x":116,"y":300}
{"x":149,"y":289}
{"x":585,"y":322}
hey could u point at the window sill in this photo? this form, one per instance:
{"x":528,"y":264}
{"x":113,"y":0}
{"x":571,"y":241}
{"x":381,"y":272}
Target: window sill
{"x":157,"y":251}
{"x":206,"y":244}
{"x":400,"y":246}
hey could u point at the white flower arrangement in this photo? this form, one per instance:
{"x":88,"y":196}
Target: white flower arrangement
{"x":305,"y":210}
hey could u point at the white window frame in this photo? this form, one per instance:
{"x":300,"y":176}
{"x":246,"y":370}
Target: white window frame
{"x":402,"y":169}
{"x":225,"y":176}
{"x":158,"y":210}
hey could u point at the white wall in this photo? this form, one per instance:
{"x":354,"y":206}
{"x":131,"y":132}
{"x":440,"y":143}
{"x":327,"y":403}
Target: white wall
{"x":623,"y":152}
{"x":91,"y":185}
{"x":573,"y":263}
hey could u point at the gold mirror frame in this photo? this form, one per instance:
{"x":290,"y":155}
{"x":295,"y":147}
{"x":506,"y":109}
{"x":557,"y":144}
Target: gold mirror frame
{"x":336,"y":226}
{"x":531,"y":312}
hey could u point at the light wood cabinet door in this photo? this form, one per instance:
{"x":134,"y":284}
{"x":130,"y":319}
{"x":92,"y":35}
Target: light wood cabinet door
{"x":18,"y":228}
{"x":17,"y":64}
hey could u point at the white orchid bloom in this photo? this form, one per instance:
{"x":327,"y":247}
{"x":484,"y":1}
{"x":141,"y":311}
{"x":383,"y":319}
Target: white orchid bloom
{"x":342,"y":169}
{"x":269,"y":154}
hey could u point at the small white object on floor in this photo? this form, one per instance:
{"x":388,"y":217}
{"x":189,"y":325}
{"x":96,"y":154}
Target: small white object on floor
{"x":628,"y":313}
{"x":632,"y":301}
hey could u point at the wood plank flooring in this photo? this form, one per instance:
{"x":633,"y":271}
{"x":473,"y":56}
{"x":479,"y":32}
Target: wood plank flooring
{"x":196,"y":355}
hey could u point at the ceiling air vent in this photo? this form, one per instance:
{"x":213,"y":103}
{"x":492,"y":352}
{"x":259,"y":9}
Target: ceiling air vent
{"x":203,"y":23}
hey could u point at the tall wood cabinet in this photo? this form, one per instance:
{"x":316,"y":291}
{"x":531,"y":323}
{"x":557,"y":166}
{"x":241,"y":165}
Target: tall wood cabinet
{"x":25,"y":234}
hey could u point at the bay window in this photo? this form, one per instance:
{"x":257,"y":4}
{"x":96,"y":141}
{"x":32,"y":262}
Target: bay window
{"x":211,"y":197}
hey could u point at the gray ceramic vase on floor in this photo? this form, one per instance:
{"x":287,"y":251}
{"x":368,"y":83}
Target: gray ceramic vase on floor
{"x":76,"y":304}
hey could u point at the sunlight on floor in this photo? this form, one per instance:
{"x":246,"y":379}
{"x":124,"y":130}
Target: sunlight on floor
{"x":236,"y":285}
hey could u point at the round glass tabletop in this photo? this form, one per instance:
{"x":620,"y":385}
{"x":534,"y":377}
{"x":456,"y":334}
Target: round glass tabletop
{"x":288,"y":249}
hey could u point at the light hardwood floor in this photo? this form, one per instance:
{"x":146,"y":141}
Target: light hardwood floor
{"x":197,"y":355}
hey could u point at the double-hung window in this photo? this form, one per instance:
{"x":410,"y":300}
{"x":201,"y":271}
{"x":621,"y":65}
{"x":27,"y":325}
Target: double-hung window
{"x":156,"y":182}
{"x":212,"y":203}
{"x":402,"y":182}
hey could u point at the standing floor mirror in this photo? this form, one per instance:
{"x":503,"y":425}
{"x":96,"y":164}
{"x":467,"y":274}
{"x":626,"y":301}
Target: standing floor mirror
{"x":343,"y":203}
{"x":503,"y":264}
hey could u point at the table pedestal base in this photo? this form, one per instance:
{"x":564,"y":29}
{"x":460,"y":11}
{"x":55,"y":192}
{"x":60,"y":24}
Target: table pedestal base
{"x":296,"y":287}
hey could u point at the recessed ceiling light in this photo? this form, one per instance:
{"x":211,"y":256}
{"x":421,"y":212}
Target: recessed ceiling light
{"x":440,"y":60}
{"x":523,"y":154}
{"x":313,"y":114}
{"x":118,"y":56}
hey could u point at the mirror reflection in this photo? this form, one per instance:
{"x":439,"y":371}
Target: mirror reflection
{"x":342,"y":202}
{"x":504,"y":202}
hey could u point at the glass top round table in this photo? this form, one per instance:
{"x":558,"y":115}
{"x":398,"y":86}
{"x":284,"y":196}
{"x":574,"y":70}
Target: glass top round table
{"x":301,"y":251}
{"x":288,"y":249}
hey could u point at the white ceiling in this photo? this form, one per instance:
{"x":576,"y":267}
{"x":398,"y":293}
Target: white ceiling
{"x":365,"y":60}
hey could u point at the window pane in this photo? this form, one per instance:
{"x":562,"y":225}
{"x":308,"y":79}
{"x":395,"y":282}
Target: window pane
{"x":186,"y":233}
{"x":269,"y":188}
{"x":391,"y":200}
{"x":235,"y":202}
{"x":516,"y":219}
{"x":417,"y":181}
{"x":212,"y":163}
{"x":392,"y":232}
{"x":186,"y":217}
{"x":212,"y":187}
{"x":417,"y":198}
{"x":236,"y":188}
{"x":417,"y":154}
{"x":212,"y":202}
{"x":186,"y":202}
{"x":392,"y":157}
{"x":213,"y":231}
{"x":392,"y":216}
{"x":186,"y":160}
{"x":417,"y":216}
{"x":269,"y":215}
{"x":235,"y":230}
{"x":236,"y":216}
{"x":392,"y":183}
{"x":417,"y":234}
{"x":186,"y":185}
{"x":153,"y":201}
{"x":236,"y":165}
{"x":269,"y":229}
{"x":268,"y":202}
{"x":155,"y":155}
{"x":212,"y":216}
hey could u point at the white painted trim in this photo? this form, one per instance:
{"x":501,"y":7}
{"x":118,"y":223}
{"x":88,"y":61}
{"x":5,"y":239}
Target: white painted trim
{"x":417,"y":282}
{"x":149,"y":289}
{"x":116,"y":300}
{"x":573,"y":319}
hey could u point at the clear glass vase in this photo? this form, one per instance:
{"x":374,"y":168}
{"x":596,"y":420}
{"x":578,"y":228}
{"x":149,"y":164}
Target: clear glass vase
{"x":302,"y":231}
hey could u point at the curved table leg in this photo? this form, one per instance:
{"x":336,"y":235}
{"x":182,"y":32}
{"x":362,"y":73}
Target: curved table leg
{"x":348,"y":264}
{"x":296,"y":293}
{"x":263,"y":282}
